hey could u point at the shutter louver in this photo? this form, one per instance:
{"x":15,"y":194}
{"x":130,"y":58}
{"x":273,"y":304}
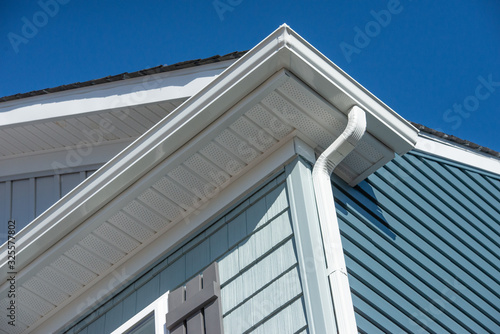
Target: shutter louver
{"x":195,"y":308}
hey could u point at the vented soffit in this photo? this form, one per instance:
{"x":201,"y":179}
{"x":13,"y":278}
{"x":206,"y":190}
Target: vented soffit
{"x":281,"y":89}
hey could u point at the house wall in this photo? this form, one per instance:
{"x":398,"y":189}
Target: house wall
{"x":422,"y":244}
{"x":420,"y":236}
{"x":25,"y":197}
{"x":254,"y":245}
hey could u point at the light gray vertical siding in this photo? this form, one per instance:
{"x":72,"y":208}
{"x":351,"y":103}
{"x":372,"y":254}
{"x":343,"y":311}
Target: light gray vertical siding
{"x":69,"y":181}
{"x":45,"y":193}
{"x":22,"y":209}
{"x":422,"y":243}
{"x":24,"y":198}
{"x":253,"y":244}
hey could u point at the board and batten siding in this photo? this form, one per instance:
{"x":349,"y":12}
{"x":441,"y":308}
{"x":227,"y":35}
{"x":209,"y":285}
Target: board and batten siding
{"x":422,"y":244}
{"x":253,"y":244}
{"x":24,"y":198}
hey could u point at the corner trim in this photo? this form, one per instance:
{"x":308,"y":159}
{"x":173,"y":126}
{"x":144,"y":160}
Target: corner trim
{"x":310,"y":250}
{"x":145,"y":255}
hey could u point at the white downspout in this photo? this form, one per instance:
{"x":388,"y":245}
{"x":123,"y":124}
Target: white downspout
{"x":336,"y":268}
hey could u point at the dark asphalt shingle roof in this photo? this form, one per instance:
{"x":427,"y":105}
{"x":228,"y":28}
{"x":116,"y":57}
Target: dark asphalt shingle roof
{"x":126,"y":75}
{"x":468,"y":144}
{"x":210,"y":60}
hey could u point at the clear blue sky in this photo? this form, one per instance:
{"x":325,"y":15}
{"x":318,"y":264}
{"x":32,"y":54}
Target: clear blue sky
{"x":434,"y":62}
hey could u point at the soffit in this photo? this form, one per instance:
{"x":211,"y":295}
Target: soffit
{"x":107,"y":113}
{"x":285,"y":108}
{"x":82,"y":131}
{"x":246,"y":114}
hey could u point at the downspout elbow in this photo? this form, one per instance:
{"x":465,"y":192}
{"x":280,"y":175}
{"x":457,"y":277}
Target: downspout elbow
{"x":344,"y":144}
{"x":336,"y":268}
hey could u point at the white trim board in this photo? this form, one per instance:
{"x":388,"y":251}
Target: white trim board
{"x":159,"y":308}
{"x":447,"y":150}
{"x":179,"y":134}
{"x":283,"y":49}
{"x":146,"y":255}
{"x":125,"y":93}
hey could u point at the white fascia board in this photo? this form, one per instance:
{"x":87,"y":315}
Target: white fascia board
{"x":145,"y":255}
{"x":124,"y":93}
{"x":341,"y":90}
{"x":278,"y":51}
{"x":448,"y":150}
{"x":157,"y":144}
{"x":71,"y":228}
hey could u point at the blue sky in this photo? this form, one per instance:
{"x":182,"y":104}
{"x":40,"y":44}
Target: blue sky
{"x":434,"y":62}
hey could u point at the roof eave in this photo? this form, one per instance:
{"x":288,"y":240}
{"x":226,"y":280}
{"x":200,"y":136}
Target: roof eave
{"x":283,"y":49}
{"x":146,"y":152}
{"x":341,"y":90}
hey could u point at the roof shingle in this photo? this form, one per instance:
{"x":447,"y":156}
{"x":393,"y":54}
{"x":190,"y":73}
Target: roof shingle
{"x":126,"y":75}
{"x":452,"y":138}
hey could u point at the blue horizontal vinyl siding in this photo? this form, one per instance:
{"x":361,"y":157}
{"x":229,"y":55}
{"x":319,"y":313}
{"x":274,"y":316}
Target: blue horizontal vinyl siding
{"x":422,"y":244}
{"x":254,"y":246}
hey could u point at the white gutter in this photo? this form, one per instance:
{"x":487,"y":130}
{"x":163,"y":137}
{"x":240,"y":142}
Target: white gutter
{"x":336,"y":268}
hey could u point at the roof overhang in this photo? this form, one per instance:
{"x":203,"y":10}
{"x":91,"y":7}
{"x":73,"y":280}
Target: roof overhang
{"x":102,"y":117}
{"x":280,"y":90}
{"x":441,"y":148}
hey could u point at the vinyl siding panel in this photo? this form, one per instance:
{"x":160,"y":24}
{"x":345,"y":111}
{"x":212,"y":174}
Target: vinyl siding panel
{"x":422,"y":246}
{"x":253,"y":244}
{"x":23,"y":199}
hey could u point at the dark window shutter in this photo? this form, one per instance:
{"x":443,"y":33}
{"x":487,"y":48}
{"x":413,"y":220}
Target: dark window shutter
{"x":196,"y":308}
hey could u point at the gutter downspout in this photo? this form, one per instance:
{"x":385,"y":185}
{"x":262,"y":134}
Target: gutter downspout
{"x":335,"y":263}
